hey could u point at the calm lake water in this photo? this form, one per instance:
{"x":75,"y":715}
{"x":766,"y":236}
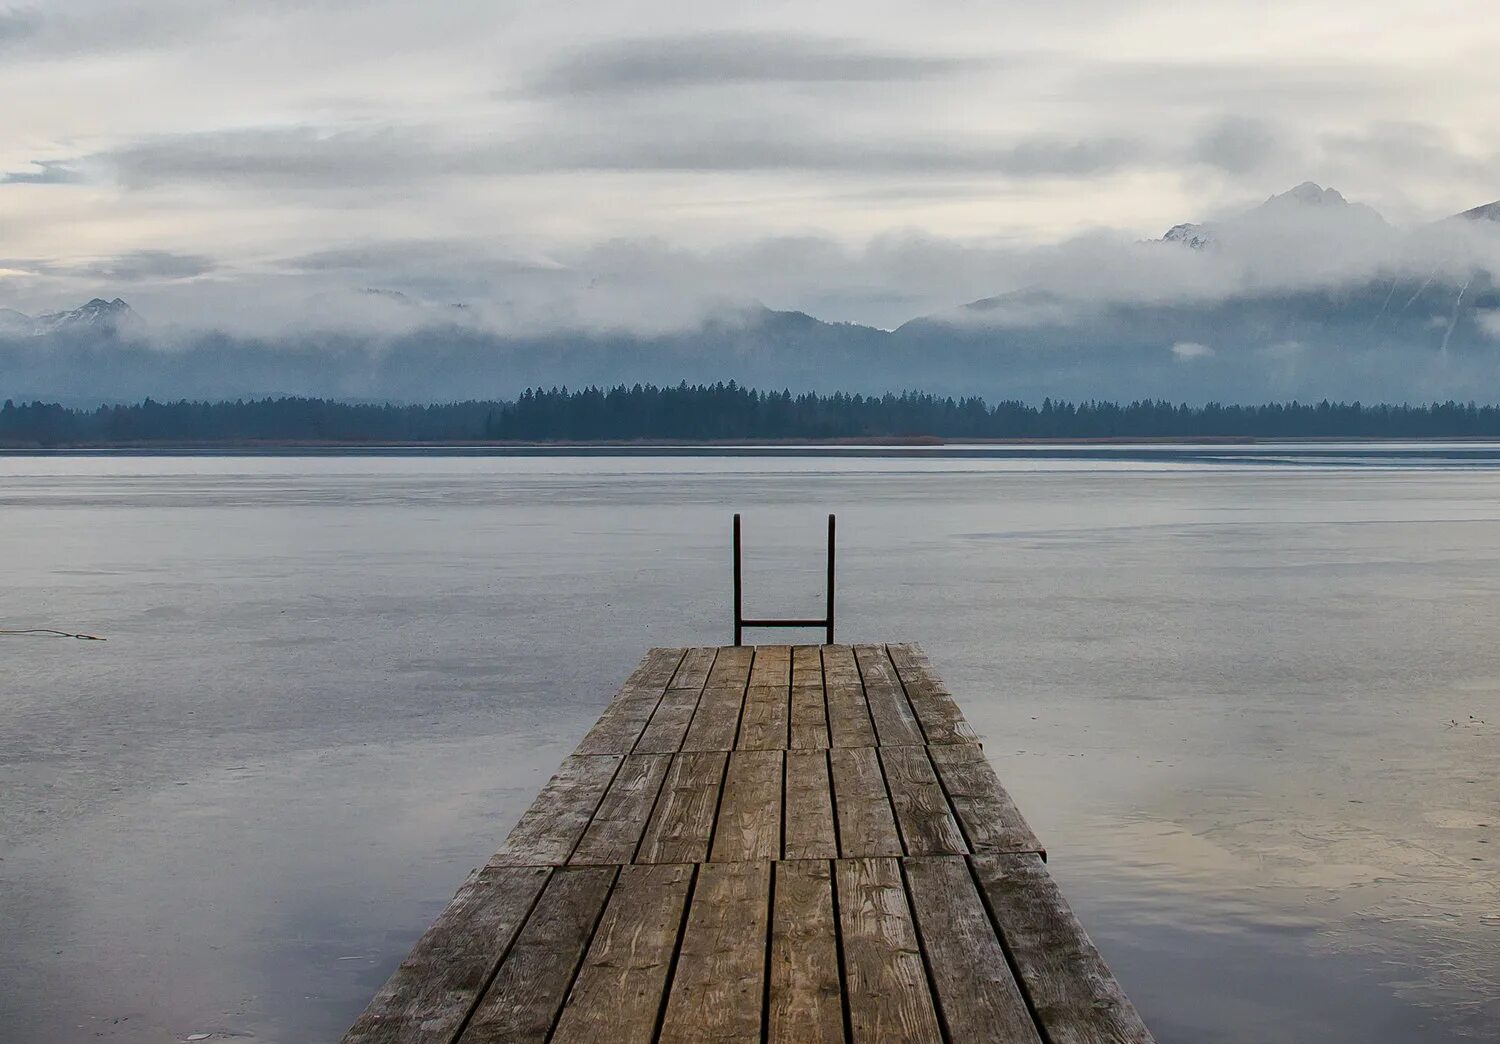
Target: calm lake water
{"x":1249,"y":698}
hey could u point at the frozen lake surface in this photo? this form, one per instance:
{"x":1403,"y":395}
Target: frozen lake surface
{"x":1248,"y":696}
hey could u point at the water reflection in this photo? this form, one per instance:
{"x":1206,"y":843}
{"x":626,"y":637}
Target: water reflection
{"x":1252,"y":710}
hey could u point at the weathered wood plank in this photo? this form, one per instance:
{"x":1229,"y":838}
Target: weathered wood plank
{"x":551,"y":827}
{"x":682,"y":824}
{"x":718,"y":987}
{"x":807,"y":831}
{"x":809,"y":725}
{"x":848,"y":713}
{"x":627,"y":714}
{"x":772,"y":666}
{"x":807,"y":666}
{"x":942,"y":721}
{"x":618,"y":993}
{"x":927,"y":826}
{"x":663,"y":734}
{"x":433,"y":991}
{"x":620,"y":820}
{"x":866,"y":823}
{"x":805,"y":1002}
{"x":527,"y":993}
{"x":669,"y":724}
{"x":749,"y":825}
{"x":989,"y":818}
{"x":731,"y":667}
{"x":895,"y":721}
{"x":889,"y":999}
{"x":764,"y":725}
{"x":693,"y":671}
{"x":978,"y":999}
{"x":716,"y":722}
{"x":1072,"y":991}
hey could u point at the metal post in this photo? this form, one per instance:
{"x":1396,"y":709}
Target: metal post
{"x":739,"y":616}
{"x":830,"y":580}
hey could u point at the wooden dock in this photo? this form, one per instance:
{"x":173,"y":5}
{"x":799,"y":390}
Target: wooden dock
{"x":764,"y":843}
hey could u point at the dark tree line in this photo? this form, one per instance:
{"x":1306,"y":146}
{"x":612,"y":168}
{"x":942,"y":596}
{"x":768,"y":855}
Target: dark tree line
{"x":722,"y":411}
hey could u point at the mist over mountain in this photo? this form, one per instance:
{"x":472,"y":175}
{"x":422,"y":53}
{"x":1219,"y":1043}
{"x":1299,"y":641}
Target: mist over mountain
{"x":1306,"y":295}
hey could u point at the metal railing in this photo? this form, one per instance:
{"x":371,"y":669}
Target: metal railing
{"x":740,"y":622}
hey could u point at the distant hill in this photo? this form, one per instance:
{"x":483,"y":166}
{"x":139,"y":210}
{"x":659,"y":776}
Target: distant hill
{"x":1306,"y":295}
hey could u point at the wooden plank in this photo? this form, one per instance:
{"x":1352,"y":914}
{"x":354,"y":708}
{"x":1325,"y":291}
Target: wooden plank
{"x":942,"y":721}
{"x":749,"y":825}
{"x":885,"y":981}
{"x":669,"y":724}
{"x":809,"y":724}
{"x":805,"y":997}
{"x":807,"y":666}
{"x":716,"y":722}
{"x":927,"y":826}
{"x":433,"y":991}
{"x":1074,"y":995}
{"x":620,"y":820}
{"x":623,"y":979}
{"x":848,"y":714}
{"x":867,"y":826}
{"x":718,"y":988}
{"x":731,"y":667}
{"x":978,"y":999}
{"x":693,"y":671}
{"x":989,"y":818}
{"x":527,"y":993}
{"x":548,"y":830}
{"x":807,"y":831}
{"x":895,"y":721}
{"x":627,"y":714}
{"x":764,"y":725}
{"x":772,"y":666}
{"x":682,"y":824}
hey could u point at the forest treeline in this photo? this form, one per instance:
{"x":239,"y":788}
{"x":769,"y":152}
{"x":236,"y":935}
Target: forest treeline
{"x":721,"y":411}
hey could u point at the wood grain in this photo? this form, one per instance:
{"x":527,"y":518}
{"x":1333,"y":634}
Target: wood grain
{"x":978,"y":999}
{"x":622,"y":981}
{"x":433,"y":991}
{"x":889,"y":999}
{"x":921,"y":807}
{"x":942,"y":721}
{"x":620,"y":820}
{"x":1073,"y":993}
{"x":718,"y":986}
{"x":867,"y":825}
{"x":527,"y":993}
{"x":895,"y":721}
{"x":749,"y":823}
{"x":627,"y":714}
{"x":989,"y":818}
{"x":682,"y":824}
{"x":807,"y":831}
{"x":548,"y":830}
{"x":805,"y":1002}
{"x":848,"y":713}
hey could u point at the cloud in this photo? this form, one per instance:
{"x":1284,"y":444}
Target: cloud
{"x":47,"y":172}
{"x":154,"y":265}
{"x":718,"y":58}
{"x":1191,"y":350}
{"x":1237,"y":145}
{"x":17,"y":25}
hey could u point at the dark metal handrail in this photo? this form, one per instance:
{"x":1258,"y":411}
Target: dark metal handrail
{"x":740,"y":622}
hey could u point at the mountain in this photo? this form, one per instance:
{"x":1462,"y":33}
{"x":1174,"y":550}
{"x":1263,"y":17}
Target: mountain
{"x":97,"y":316}
{"x":1306,"y":295}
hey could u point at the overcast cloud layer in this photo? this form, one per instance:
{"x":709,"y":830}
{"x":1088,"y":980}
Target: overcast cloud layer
{"x":255,"y":166}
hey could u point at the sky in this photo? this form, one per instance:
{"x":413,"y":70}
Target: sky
{"x":245,"y":164}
